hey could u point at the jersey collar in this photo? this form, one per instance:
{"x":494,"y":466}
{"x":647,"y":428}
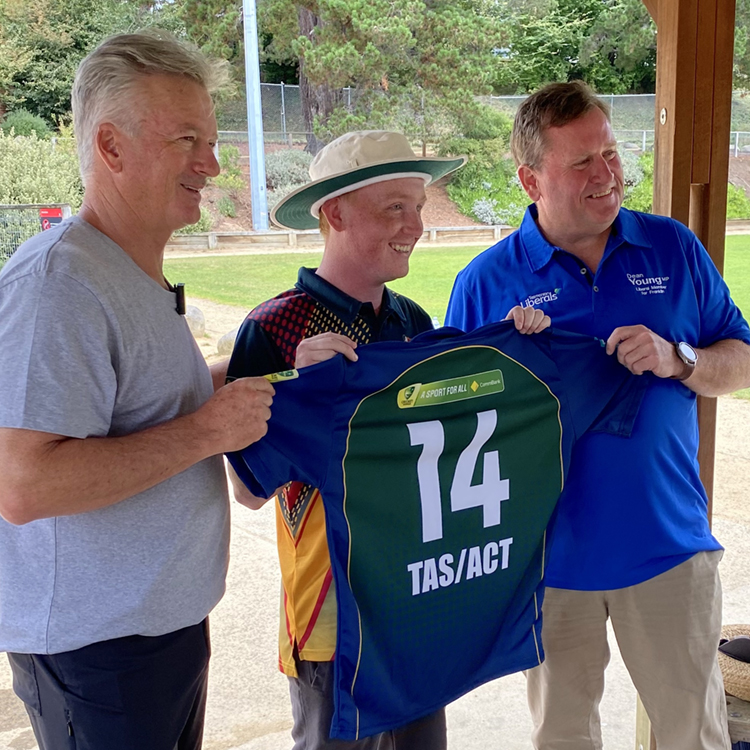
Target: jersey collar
{"x":626,"y":230}
{"x":345,"y":307}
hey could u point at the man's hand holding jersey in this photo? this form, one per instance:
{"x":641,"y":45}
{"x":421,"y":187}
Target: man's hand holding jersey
{"x":528,"y":319}
{"x":237,"y":413}
{"x":322,"y":347}
{"x":327,"y":345}
{"x":722,"y":367}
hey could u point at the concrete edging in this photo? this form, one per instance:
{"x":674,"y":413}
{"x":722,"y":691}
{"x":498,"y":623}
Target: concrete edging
{"x":286,"y":240}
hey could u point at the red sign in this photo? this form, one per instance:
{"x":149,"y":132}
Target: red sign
{"x":50,"y":216}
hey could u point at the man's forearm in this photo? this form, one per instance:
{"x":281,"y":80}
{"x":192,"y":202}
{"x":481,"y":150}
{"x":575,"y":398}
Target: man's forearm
{"x":219,"y":373}
{"x":722,"y":368}
{"x":48,"y":475}
{"x":75,"y":476}
{"x":242,"y":494}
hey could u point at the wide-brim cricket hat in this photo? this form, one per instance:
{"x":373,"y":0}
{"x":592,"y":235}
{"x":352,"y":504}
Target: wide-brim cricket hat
{"x":736,"y":669}
{"x":354,"y":161}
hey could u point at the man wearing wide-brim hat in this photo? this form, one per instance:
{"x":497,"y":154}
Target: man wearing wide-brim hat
{"x":367,"y":194}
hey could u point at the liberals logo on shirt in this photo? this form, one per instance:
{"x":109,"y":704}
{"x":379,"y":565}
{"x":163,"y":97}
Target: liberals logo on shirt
{"x":533,"y":300}
{"x":647,"y":285}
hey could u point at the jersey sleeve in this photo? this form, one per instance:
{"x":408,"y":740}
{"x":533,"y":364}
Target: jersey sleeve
{"x":720,"y":318}
{"x":58,"y":350}
{"x":601,"y":394}
{"x":298,"y":444}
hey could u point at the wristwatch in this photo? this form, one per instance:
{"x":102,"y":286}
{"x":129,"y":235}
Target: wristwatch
{"x":688,"y":356}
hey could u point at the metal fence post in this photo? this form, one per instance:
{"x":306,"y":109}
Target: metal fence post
{"x":736,"y":144}
{"x":283,"y":112}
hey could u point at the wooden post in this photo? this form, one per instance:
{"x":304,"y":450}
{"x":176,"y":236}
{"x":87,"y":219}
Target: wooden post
{"x":644,"y":737}
{"x":691,"y":165}
{"x":693,"y":116}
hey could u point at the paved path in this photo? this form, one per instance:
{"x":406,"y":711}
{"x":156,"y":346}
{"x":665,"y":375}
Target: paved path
{"x":248,"y":700}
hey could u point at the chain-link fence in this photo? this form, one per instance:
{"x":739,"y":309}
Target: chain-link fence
{"x":19,"y":223}
{"x":632,"y":117}
{"x":281,"y":104}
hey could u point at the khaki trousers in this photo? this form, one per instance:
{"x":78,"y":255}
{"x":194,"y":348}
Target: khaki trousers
{"x":667,"y":629}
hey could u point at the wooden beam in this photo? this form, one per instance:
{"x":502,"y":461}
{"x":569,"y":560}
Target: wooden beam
{"x":675,"y":105}
{"x":652,"y":6}
{"x":714,"y":198}
{"x":693,"y":115}
{"x":644,"y":738}
{"x":691,"y":166}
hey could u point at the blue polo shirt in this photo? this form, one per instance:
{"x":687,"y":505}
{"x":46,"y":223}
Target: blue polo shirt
{"x":631,"y":508}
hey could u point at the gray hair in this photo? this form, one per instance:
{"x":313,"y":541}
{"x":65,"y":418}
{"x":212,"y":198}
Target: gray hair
{"x":553,"y":106}
{"x":107,"y":76}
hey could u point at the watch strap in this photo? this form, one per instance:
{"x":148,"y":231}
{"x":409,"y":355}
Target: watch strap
{"x":688,"y":367}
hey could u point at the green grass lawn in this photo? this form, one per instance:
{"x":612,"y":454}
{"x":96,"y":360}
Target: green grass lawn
{"x":247,"y":280}
{"x":737,"y":274}
{"x":737,"y":271}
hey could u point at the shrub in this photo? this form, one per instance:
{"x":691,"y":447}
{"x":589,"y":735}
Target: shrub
{"x":632,"y":169}
{"x":738,"y":204}
{"x":231,"y":174}
{"x":33,"y":171}
{"x":488,"y":124}
{"x":225,"y":206}
{"x":203,"y":224}
{"x":287,"y":168}
{"x":640,"y":196}
{"x":490,"y":195}
{"x":486,"y":188}
{"x":489,"y":211}
{"x":22,"y":122}
{"x":274,"y":196}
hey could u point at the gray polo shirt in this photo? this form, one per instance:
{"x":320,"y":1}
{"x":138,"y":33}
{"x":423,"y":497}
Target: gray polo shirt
{"x":92,"y":346}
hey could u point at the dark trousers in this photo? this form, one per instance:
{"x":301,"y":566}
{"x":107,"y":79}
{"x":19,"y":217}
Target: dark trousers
{"x":312,"y":709}
{"x":132,"y":693}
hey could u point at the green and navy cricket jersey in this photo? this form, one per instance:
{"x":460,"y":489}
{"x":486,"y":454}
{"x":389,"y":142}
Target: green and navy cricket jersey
{"x":440,"y":462}
{"x":632,"y":509}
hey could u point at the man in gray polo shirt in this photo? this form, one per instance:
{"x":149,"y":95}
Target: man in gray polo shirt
{"x":114,"y":528}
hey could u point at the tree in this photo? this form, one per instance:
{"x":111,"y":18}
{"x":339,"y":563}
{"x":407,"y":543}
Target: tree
{"x":216,"y":27}
{"x":412,"y":64}
{"x":43,"y":41}
{"x":618,"y":53}
{"x":741,"y":70}
{"x":611,"y":44}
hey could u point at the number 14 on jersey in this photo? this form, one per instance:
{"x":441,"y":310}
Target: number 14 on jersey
{"x":488,"y":495}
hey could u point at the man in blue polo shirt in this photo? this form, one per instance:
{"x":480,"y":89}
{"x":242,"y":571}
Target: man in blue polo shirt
{"x":632,"y":541}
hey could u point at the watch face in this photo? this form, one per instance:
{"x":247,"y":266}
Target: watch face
{"x":687,"y":353}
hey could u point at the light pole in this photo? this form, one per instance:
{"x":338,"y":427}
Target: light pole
{"x":254,"y":118}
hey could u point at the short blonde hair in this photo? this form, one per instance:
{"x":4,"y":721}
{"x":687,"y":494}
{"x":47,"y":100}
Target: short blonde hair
{"x":325,"y":227}
{"x":553,"y":106}
{"x":107,"y":77}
